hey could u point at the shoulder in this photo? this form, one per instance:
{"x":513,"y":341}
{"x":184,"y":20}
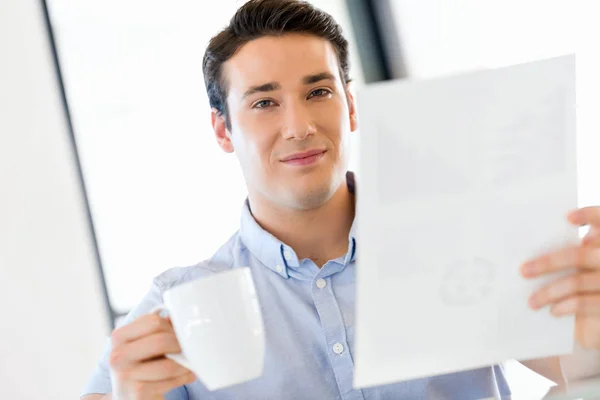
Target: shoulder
{"x":222,"y":260}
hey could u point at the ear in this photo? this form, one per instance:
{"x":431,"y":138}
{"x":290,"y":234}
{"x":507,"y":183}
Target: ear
{"x":352,"y":110}
{"x":221,"y":132}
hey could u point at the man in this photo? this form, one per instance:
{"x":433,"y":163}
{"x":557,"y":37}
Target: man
{"x":277,"y":79}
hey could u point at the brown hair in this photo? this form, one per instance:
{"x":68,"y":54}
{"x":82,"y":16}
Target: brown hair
{"x":259,"y":18}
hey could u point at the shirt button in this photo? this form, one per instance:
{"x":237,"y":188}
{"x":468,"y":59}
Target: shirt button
{"x":321,"y":283}
{"x":338,"y":348}
{"x":279,"y":268}
{"x":287,"y":255}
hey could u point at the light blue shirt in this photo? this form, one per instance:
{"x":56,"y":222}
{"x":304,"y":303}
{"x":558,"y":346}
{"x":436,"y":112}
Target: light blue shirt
{"x":304,"y":322}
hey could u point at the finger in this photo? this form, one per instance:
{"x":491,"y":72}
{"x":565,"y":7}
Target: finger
{"x":148,"y":389}
{"x":143,"y":326}
{"x":578,"y":283}
{"x":159,"y":369}
{"x":585,"y":216}
{"x":146,"y":348}
{"x":170,"y":384}
{"x":592,"y":238}
{"x":584,"y":305}
{"x":567,"y":258}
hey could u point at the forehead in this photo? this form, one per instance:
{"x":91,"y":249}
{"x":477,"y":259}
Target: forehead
{"x":284,"y":59}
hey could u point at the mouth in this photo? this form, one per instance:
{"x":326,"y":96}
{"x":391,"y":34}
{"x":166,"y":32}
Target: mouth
{"x":304,"y":158}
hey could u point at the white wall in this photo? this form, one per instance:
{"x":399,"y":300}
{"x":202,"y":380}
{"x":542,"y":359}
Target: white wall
{"x":441,"y":37}
{"x":53,"y":321}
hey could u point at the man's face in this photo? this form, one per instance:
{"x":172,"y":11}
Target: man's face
{"x":290,"y":119}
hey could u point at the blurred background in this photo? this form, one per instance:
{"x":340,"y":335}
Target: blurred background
{"x":158,"y":191}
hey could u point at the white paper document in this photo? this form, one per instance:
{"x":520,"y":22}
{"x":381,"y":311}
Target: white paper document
{"x":461,"y":179}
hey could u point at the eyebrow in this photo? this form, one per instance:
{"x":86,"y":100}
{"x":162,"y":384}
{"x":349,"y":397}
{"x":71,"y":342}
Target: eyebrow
{"x":307,"y":80}
{"x":272,"y":86}
{"x":267,"y":87}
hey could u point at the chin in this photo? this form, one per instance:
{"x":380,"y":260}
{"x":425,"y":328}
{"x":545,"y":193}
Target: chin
{"x":311,"y":188}
{"x":312,"y":194}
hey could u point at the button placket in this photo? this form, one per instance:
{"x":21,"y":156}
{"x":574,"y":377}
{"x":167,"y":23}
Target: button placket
{"x":335,"y":337}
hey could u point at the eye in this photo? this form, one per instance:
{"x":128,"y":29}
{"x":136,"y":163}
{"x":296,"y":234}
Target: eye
{"x":320,"y":93}
{"x":263,"y":104}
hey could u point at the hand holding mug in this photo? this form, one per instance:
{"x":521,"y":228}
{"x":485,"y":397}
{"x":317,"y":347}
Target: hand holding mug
{"x":139,"y":370}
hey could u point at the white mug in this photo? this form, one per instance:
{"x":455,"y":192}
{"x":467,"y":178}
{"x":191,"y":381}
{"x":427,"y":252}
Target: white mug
{"x":219,"y":326}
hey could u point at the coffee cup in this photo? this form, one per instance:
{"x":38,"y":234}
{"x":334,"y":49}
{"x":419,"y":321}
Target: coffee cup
{"x":219,"y":326}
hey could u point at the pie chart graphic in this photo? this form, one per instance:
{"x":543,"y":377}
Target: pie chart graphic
{"x":467,"y":281}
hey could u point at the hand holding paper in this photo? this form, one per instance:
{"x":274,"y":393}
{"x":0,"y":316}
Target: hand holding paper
{"x":578,"y":293}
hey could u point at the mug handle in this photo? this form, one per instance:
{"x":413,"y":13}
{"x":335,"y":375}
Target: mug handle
{"x":179,"y":358}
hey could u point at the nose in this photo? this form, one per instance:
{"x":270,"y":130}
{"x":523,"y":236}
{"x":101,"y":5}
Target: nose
{"x":298,"y":123}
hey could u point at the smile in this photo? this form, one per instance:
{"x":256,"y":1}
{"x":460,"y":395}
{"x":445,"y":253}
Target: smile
{"x":303,"y":159}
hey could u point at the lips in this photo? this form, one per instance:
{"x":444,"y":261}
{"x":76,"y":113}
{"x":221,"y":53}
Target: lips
{"x":304,"y":155}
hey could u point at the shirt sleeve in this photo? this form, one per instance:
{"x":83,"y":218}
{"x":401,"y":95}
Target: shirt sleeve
{"x":99,"y":382}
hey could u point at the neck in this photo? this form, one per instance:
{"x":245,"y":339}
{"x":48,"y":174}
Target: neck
{"x":319,"y":234}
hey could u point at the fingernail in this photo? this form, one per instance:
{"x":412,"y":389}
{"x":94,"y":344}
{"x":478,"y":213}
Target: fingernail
{"x":529,"y":268}
{"x":533,"y":302}
{"x":574,"y":217}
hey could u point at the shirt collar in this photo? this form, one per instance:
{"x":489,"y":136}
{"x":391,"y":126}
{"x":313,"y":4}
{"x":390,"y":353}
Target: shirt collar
{"x":351,"y":255}
{"x":273,"y":253}
{"x":264,"y":246}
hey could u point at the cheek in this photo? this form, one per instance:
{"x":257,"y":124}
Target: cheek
{"x":334,"y":121}
{"x":254,"y":140}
